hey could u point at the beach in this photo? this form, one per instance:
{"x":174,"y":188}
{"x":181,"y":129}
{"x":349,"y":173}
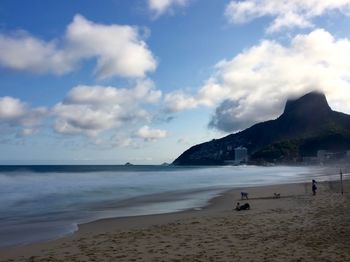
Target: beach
{"x":295,"y":227}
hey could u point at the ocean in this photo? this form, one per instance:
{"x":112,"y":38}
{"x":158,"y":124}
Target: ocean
{"x":40,"y":203}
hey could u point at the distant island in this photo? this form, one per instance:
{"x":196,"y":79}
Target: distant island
{"x":308,"y":131}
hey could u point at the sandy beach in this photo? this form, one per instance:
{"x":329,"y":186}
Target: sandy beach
{"x":296,"y":227}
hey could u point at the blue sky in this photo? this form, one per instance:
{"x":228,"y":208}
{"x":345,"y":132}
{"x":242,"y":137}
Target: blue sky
{"x":141,"y":81}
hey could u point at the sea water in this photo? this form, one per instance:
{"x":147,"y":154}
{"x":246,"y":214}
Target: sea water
{"x":46,"y":202}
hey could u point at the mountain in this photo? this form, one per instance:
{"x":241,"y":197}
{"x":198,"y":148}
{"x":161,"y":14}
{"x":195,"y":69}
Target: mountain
{"x":307,"y":125}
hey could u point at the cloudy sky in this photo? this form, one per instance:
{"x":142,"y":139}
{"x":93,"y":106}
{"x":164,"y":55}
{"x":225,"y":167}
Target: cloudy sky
{"x":140,"y":81}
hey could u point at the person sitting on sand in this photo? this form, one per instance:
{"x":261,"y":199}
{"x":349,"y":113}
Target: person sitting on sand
{"x":239,"y":207}
{"x":314,"y":187}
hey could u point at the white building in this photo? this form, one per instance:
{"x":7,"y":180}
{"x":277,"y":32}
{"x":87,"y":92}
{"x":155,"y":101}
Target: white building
{"x":321,"y":155}
{"x":241,"y":155}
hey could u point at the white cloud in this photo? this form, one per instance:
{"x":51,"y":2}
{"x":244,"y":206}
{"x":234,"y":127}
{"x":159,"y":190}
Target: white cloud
{"x":254,"y":85}
{"x":161,"y":6}
{"x":24,"y":52}
{"x":143,"y":92}
{"x":11,"y":108}
{"x":286,"y":14}
{"x":19,"y":116}
{"x":208,"y":95}
{"x":149,"y":134}
{"x":90,"y":110}
{"x":118,"y":49}
{"x":108,"y":116}
{"x":178,"y":101}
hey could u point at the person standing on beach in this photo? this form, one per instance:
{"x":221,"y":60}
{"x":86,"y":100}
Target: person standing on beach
{"x":314,"y":187}
{"x":341,"y":182}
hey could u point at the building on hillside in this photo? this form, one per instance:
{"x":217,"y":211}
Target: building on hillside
{"x":321,"y":155}
{"x":241,"y":155}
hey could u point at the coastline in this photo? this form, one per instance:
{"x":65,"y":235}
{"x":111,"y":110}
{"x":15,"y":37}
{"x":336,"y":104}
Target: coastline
{"x":295,"y":225}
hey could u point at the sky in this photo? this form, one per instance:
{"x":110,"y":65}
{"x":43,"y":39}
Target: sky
{"x":140,"y":81}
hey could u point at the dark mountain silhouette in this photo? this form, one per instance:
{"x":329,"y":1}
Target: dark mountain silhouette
{"x":307,"y":124}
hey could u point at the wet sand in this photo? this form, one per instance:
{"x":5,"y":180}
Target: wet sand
{"x":295,"y":227}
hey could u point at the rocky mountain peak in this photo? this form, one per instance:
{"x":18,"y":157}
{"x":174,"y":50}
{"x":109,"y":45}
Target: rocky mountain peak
{"x":313,"y":104}
{"x":307,"y":125}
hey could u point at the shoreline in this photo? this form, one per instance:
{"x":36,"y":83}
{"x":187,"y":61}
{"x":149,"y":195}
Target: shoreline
{"x":216,"y":203}
{"x":78,"y":245}
{"x":112,"y":208}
